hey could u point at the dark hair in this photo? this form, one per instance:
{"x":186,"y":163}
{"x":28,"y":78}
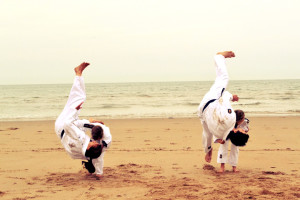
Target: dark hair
{"x":238,"y":138}
{"x":239,"y":116}
{"x":97,"y":132}
{"x":94,"y":152}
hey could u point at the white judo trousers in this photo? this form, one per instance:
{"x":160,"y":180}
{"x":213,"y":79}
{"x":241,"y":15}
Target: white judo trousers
{"x":74,"y":140}
{"x":218,"y":118}
{"x":223,"y":154}
{"x":77,"y":95}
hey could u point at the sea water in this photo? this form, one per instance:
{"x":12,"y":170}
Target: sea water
{"x":147,"y":100}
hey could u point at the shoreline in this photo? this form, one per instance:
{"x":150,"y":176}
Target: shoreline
{"x":145,"y":118}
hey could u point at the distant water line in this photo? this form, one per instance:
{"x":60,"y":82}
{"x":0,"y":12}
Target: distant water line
{"x":147,"y":100}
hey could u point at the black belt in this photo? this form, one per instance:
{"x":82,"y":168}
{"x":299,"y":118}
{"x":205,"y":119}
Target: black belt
{"x":88,"y":125}
{"x":104,"y":143}
{"x":209,"y":102}
{"x":62,"y":134}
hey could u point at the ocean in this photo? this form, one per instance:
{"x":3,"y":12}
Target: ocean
{"x":147,"y":100}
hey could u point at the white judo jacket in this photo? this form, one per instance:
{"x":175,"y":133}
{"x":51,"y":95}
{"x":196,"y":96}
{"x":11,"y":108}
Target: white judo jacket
{"x":219,"y":116}
{"x":74,"y":140}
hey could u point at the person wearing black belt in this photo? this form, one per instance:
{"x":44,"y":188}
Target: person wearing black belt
{"x":215,"y":110}
{"x":71,"y":131}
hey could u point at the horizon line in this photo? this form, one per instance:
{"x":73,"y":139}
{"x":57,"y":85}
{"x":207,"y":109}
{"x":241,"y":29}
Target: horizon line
{"x":145,"y":82}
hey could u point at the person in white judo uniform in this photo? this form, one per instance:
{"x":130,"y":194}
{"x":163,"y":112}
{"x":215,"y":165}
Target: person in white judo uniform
{"x":71,"y":130}
{"x":215,"y":110}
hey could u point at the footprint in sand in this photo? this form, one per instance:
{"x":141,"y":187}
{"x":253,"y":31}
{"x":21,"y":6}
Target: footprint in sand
{"x":159,"y":149}
{"x":183,"y":173}
{"x":273,"y":173}
{"x":208,"y":167}
{"x":176,"y":168}
{"x":266,"y":192}
{"x":1,"y":193}
{"x":159,"y":177}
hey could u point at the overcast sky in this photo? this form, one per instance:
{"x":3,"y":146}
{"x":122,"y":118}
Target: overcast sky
{"x":147,"y":40}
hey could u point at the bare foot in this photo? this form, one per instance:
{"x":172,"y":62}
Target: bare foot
{"x":98,"y":176}
{"x":226,"y":54}
{"x":222,"y":169}
{"x":79,"y":69}
{"x":235,"y":170}
{"x":208,"y":156}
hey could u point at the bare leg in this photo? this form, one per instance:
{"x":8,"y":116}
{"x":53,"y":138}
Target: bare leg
{"x":79,"y":69}
{"x":227,"y":54}
{"x":208,"y":156}
{"x":222,"y":168}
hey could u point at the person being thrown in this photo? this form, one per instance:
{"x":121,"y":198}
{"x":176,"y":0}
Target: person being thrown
{"x":71,"y":130}
{"x":215,"y":111}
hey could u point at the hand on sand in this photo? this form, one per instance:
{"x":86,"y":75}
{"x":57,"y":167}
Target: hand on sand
{"x":227,"y":54}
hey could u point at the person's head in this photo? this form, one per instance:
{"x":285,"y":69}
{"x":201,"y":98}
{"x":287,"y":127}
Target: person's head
{"x":97,"y":133}
{"x":94,"y":151}
{"x":240,"y":117}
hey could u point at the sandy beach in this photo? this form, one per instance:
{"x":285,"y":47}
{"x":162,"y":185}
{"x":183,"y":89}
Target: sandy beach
{"x":151,"y":159}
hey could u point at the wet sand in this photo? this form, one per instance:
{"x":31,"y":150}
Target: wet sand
{"x":151,"y":159}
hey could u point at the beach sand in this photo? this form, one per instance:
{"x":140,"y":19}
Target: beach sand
{"x":151,"y":159}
